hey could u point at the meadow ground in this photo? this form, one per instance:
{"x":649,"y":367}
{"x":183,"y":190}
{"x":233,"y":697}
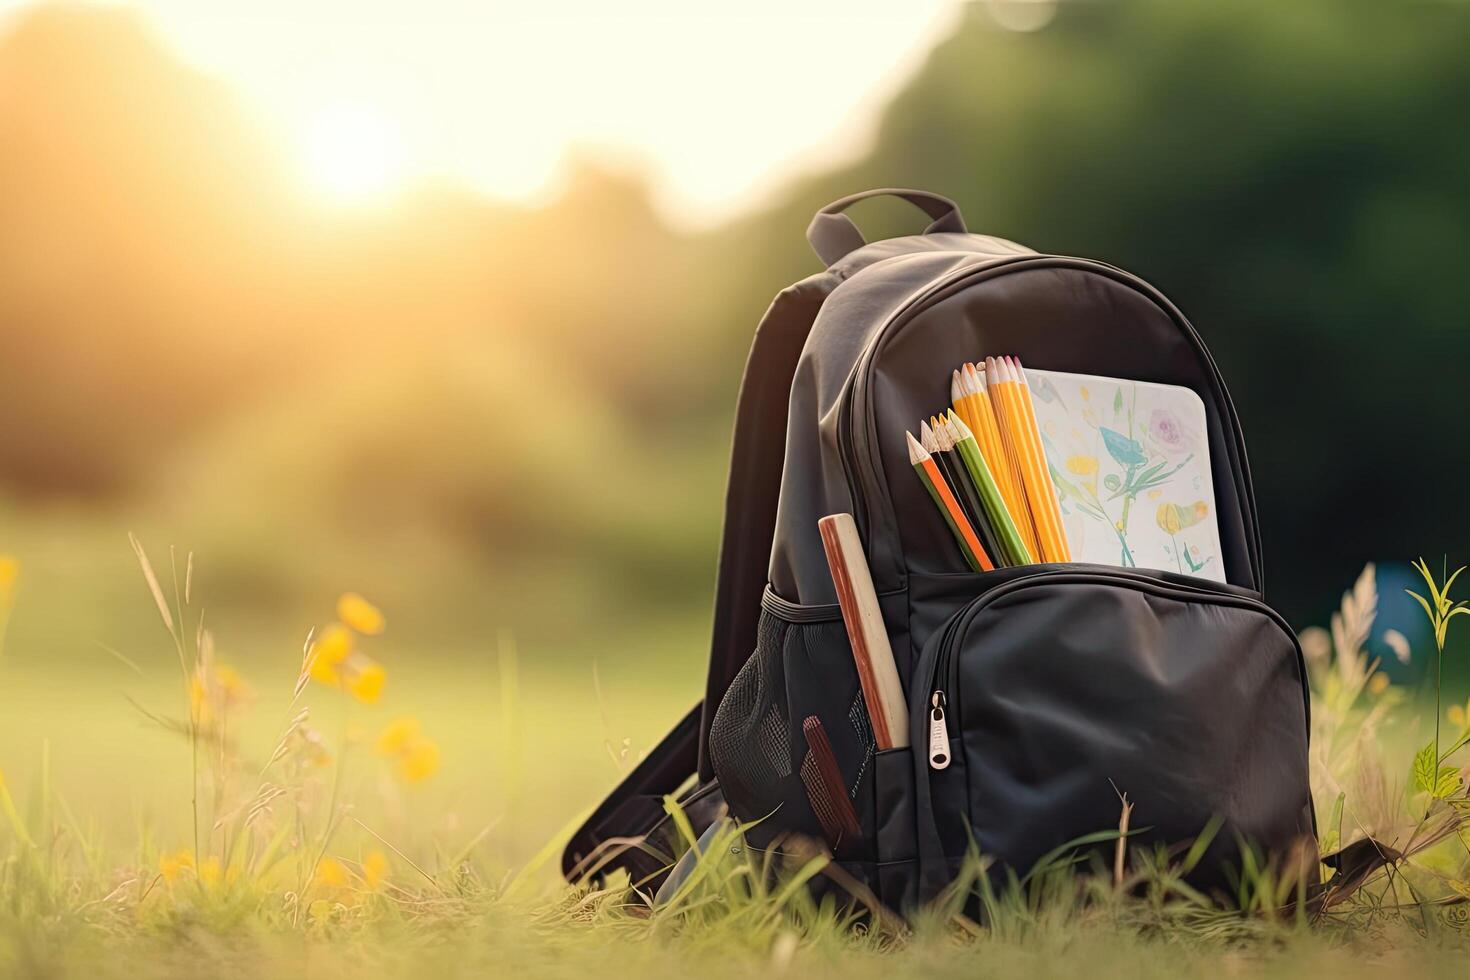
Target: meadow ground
{"x":414,"y":829}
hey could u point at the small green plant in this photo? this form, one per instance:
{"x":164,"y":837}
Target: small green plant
{"x":1431,"y":775}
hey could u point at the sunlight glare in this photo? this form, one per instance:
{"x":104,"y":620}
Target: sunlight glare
{"x":353,"y":151}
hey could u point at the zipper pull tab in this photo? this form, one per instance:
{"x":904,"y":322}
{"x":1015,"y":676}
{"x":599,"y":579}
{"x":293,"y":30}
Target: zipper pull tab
{"x":938,"y":733}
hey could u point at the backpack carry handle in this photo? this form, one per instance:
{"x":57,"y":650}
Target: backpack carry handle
{"x":833,"y":234}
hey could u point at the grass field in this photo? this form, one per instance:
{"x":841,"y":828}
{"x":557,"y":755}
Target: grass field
{"x":415,"y":830}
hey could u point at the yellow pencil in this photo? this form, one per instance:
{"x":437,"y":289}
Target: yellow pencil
{"x":1033,"y":435}
{"x":992,"y":447}
{"x":997,"y":394}
{"x":1001,"y":382}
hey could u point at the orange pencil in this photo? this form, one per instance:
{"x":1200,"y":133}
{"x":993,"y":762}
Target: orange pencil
{"x":944,"y":498}
{"x":1033,"y":435}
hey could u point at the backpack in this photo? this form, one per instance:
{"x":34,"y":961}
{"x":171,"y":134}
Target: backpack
{"x":1063,"y":687}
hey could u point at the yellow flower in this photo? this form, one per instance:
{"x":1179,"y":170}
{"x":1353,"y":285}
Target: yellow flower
{"x":1082,"y":465}
{"x":398,"y":733}
{"x":415,"y":757}
{"x":366,"y":683}
{"x":1458,"y":715}
{"x":198,"y":699}
{"x":375,"y":868}
{"x":359,"y":614}
{"x":9,"y":572}
{"x":1378,"y":683}
{"x":172,"y":866}
{"x":419,"y":761}
{"x":331,"y":873}
{"x":209,"y":872}
{"x":330,"y":651}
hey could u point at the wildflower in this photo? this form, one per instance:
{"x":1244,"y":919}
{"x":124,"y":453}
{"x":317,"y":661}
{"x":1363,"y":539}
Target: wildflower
{"x":331,"y":873}
{"x":9,"y":572}
{"x":209,"y":872}
{"x":216,"y":688}
{"x":330,"y":651}
{"x":398,"y":733}
{"x":420,"y":761}
{"x":1082,"y":465}
{"x":198,"y":699}
{"x":375,"y":868}
{"x":366,"y":683}
{"x":173,"y":866}
{"x":360,"y":615}
{"x":415,"y":756}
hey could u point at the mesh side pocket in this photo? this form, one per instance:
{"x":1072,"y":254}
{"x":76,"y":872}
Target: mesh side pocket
{"x":791,"y":742}
{"x":749,"y":736}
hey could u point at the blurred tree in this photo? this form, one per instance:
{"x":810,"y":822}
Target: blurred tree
{"x":1290,"y":173}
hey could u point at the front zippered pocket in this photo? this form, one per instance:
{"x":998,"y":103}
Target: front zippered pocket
{"x":940,"y":674}
{"x":1053,"y":692}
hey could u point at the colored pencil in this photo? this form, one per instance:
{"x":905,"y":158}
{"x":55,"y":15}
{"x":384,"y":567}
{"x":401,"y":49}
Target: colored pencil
{"x":871,"y":652}
{"x":997,"y":394}
{"x":940,"y":444}
{"x":963,"y":399}
{"x":1011,"y":547}
{"x":1048,"y":488}
{"x":954,"y":515}
{"x":988,"y":436}
{"x":1005,"y":394}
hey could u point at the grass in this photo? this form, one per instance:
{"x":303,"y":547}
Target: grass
{"x":176,"y":820}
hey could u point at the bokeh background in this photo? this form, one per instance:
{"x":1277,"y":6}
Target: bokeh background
{"x":448,"y":305}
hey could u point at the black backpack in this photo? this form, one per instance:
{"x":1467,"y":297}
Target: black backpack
{"x":1065,"y":685}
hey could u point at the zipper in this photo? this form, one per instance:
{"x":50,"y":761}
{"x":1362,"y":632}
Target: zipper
{"x":857,"y":443}
{"x":938,"y":733}
{"x":942,"y":675}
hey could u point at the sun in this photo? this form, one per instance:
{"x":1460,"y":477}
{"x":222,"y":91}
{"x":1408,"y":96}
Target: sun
{"x":353,"y":152}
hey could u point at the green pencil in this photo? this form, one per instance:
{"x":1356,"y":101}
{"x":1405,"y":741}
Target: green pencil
{"x":1012,"y":547}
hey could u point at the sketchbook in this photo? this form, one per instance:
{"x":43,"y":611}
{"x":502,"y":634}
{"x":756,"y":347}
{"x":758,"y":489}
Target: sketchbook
{"x":1131,"y":463}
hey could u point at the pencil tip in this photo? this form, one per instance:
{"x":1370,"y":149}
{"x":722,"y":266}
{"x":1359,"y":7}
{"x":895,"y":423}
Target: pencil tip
{"x":917,"y":453}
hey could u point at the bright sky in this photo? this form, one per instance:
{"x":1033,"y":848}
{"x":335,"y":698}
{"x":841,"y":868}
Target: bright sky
{"x":720,"y":102}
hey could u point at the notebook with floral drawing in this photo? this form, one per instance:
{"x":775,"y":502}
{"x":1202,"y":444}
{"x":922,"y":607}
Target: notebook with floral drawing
{"x":1131,"y":462}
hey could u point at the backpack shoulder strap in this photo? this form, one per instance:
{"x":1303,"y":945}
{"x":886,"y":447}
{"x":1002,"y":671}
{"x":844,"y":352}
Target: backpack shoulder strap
{"x":634,"y":809}
{"x":613,"y":837}
{"x":756,"y":460}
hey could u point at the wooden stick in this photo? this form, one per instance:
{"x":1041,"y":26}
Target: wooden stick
{"x":877,"y":672}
